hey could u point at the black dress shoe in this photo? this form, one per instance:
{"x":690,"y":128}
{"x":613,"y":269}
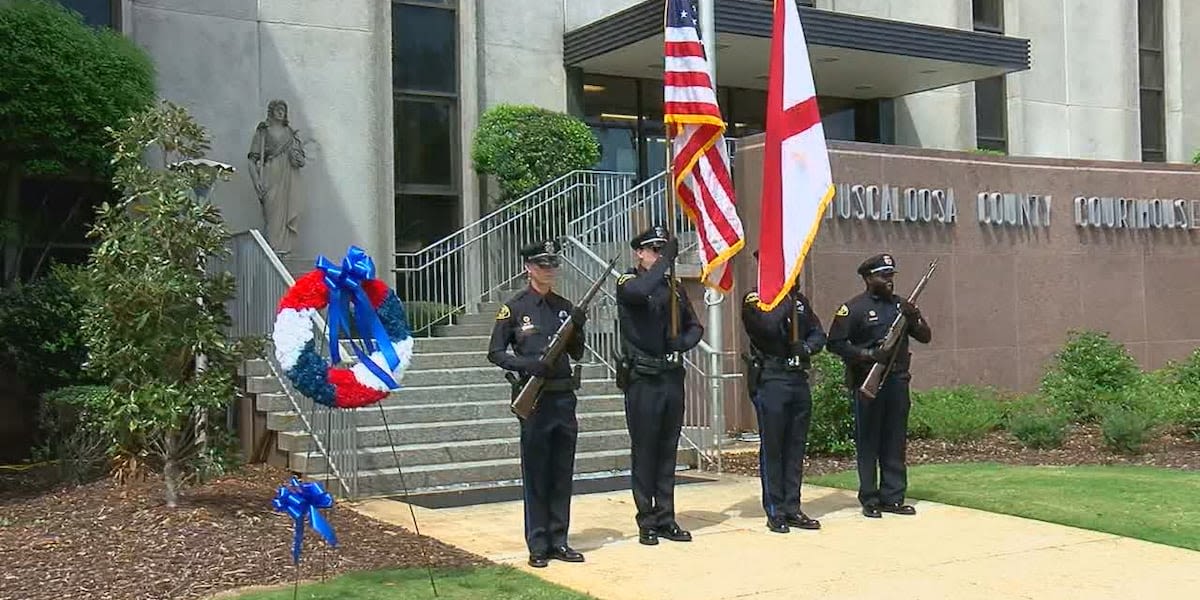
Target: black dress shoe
{"x":538,"y":560}
{"x":898,"y":509}
{"x":566,"y":553}
{"x":802,"y":521}
{"x":674,"y":533}
{"x":648,"y":537}
{"x":872,"y":511}
{"x":777,"y":526}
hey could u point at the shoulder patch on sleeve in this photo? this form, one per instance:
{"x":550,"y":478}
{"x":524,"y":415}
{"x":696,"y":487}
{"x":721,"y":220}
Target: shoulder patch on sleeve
{"x":751,"y":298}
{"x":625,"y":277}
{"x":504,"y":313}
{"x":843,"y":311}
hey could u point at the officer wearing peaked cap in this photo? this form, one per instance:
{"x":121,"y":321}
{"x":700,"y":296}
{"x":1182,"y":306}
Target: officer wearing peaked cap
{"x":782,"y":342}
{"x":880,"y":425}
{"x":650,"y":373}
{"x":526,"y":322}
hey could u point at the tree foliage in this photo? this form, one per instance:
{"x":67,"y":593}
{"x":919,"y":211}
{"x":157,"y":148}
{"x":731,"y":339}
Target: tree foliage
{"x":62,"y":83}
{"x":155,"y":319}
{"x":527,"y":146}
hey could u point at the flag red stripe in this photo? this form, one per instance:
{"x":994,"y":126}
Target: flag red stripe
{"x":726,"y":182}
{"x":685,"y":49}
{"x":687,"y":79}
{"x":691,"y":108}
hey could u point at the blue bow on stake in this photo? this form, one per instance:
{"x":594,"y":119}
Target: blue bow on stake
{"x":301,"y":501}
{"x":345,"y":286}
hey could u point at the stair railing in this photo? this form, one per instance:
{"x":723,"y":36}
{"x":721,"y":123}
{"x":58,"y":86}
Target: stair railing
{"x":452,"y":275}
{"x":261,"y":280}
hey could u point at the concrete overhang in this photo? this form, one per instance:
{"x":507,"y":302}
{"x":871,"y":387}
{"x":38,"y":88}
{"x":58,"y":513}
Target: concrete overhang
{"x":852,"y":56}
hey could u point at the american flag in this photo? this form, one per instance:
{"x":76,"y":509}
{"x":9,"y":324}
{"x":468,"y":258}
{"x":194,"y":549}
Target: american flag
{"x":700,"y":160}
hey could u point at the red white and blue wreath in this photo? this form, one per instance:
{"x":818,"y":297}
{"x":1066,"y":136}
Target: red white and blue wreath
{"x":378,"y":317}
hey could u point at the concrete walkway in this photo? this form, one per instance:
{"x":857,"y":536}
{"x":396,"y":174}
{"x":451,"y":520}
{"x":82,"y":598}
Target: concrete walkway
{"x":942,"y":552}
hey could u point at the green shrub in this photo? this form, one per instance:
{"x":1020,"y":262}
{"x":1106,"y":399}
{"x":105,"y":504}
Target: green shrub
{"x":955,"y":414}
{"x":1091,"y":372}
{"x":832,"y":428}
{"x":1036,"y":424}
{"x":1184,"y":407}
{"x":1125,"y":429}
{"x":40,"y":339}
{"x":73,"y":434}
{"x":527,"y":146}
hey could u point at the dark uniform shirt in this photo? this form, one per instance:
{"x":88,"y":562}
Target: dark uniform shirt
{"x":861,"y":324}
{"x":527,"y":322}
{"x":644,"y":310}
{"x":771,"y":332}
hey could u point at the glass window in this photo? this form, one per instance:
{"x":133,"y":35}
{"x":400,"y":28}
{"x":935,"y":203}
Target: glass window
{"x":424,"y":142}
{"x":1153,"y":120}
{"x":746,"y":112}
{"x":1150,"y":80}
{"x":610,"y":100}
{"x":1150,"y":24}
{"x":97,"y":13}
{"x":989,"y":15}
{"x":422,"y":219}
{"x":989,"y":107}
{"x":424,"y":49}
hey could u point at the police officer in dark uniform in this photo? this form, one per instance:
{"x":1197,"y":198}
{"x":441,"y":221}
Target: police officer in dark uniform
{"x":780,"y":356}
{"x":651,"y":375}
{"x":880,"y":425}
{"x":526,"y":323}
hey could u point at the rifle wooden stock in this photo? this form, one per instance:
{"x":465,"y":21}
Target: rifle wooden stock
{"x":526,"y":400}
{"x":898,"y":328}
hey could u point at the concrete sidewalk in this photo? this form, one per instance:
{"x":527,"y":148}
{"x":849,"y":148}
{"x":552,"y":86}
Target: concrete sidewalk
{"x":942,"y":552}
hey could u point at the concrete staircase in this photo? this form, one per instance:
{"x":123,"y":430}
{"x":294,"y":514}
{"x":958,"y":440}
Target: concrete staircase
{"x":450,"y":424}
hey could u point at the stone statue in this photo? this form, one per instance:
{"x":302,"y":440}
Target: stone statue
{"x":276,"y":156}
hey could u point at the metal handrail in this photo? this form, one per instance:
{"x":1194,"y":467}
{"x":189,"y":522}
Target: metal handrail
{"x":261,"y":280}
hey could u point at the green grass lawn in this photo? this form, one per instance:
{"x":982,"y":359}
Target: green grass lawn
{"x":492,"y":583}
{"x":1158,"y":505}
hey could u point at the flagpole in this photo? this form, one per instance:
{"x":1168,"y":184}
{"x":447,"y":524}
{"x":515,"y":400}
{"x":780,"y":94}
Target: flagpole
{"x":671,"y":202}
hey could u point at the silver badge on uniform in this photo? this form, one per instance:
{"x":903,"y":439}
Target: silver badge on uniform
{"x":526,"y":323}
{"x":563,"y":316}
{"x":871,"y":316}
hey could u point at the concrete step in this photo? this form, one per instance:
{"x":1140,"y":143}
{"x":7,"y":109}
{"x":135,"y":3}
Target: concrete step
{"x":452,"y":343}
{"x":442,"y":431}
{"x":447,"y":412}
{"x":487,"y":473}
{"x":476,"y":392}
{"x":423,"y":477}
{"x":482,"y":318}
{"x":381,"y":457}
{"x":465,"y":375}
{"x":450,"y":360}
{"x":473,"y":330}
{"x":262,"y":384}
{"x":256,"y":367}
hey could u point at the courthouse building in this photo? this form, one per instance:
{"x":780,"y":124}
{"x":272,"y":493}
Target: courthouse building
{"x":1091,"y":100}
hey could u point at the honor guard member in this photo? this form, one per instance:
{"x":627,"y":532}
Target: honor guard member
{"x":880,"y":425}
{"x":780,"y":357}
{"x":526,"y":323}
{"x":651,"y":375}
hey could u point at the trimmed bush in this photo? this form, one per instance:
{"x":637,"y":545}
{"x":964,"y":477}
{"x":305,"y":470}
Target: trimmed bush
{"x":526,"y":146}
{"x":1036,"y":424}
{"x":955,"y":414}
{"x":832,"y":428}
{"x":1126,"y":430}
{"x":1090,"y":373}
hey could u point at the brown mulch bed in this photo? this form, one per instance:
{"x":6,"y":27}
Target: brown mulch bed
{"x":103,"y":540}
{"x":1084,"y":446}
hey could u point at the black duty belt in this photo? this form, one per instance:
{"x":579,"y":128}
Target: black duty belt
{"x":778,"y":363}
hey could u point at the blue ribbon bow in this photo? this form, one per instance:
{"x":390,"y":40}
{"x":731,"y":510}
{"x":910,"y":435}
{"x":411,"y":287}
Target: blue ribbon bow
{"x":301,"y":501}
{"x":345,"y":287}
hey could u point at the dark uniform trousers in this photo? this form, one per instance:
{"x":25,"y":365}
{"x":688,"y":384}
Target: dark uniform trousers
{"x":654,"y":416}
{"x":548,"y":439}
{"x":783,"y":404}
{"x":880,"y":428}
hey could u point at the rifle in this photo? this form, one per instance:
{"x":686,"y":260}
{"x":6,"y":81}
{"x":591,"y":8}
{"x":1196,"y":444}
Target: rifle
{"x":526,"y":400}
{"x":898,"y":328}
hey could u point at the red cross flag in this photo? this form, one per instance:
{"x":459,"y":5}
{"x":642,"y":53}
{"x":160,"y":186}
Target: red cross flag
{"x":797,"y":184}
